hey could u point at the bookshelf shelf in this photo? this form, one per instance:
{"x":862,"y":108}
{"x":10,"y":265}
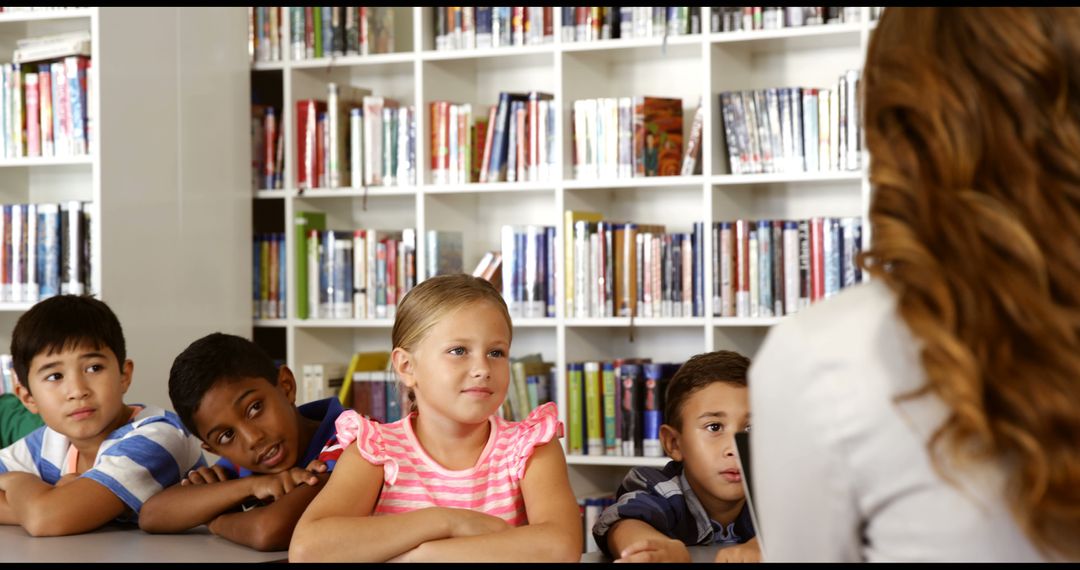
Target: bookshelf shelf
{"x":654,"y":43}
{"x":616,"y":461}
{"x":499,"y":52}
{"x":624,"y":322}
{"x":849,"y":32}
{"x":785,"y":178}
{"x":486,"y":187}
{"x":35,"y":161}
{"x":14,"y":307}
{"x":271,"y":323}
{"x":353,"y":61}
{"x":691,"y":68}
{"x":40,"y":15}
{"x":370,"y":192}
{"x":646,"y":182}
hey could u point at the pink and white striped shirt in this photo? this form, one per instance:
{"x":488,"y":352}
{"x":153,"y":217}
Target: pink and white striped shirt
{"x":413,"y":480}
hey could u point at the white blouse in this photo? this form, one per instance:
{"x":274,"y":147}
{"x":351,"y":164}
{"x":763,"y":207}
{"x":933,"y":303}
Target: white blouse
{"x":841,"y":471}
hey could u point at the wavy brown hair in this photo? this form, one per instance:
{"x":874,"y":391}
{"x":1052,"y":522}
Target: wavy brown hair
{"x":973,"y":125}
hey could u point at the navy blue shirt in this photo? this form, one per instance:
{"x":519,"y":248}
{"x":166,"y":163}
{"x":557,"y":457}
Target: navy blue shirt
{"x":327,"y":412}
{"x":663,"y":499}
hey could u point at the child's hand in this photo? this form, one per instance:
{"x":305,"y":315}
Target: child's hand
{"x":746,"y":552}
{"x":465,"y":522}
{"x":655,"y":550}
{"x":316,"y":466}
{"x":277,"y":485}
{"x":205,"y":476}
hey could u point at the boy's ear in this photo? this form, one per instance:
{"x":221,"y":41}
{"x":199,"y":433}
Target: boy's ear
{"x":126,"y":372}
{"x":207,"y":448}
{"x":669,"y":438}
{"x":25,"y":396}
{"x":287,"y":383}
{"x":403,"y":365}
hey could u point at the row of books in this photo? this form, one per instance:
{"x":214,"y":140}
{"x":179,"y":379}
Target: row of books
{"x":519,"y":143}
{"x":591,"y":23}
{"x":628,"y":268}
{"x":527,"y":267}
{"x":45,"y":108}
{"x":320,"y":380}
{"x":738,"y":18}
{"x":531,"y":381}
{"x":362,"y":274}
{"x":352,"y":139}
{"x":794,"y":129}
{"x":268,"y":276}
{"x":318,"y":32}
{"x":627,"y":137}
{"x":767,"y":268}
{"x":616,"y":408}
{"x":355,"y":274}
{"x":44,"y":251}
{"x":469,"y":27}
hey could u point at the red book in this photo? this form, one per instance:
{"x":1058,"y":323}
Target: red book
{"x":817,"y":260}
{"x":307,"y":116}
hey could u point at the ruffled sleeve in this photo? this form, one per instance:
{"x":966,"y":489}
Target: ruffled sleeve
{"x":539,"y":427}
{"x":351,"y":427}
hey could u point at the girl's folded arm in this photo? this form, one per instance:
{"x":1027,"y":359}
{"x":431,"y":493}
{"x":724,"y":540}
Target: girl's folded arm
{"x":338,"y":526}
{"x":554,"y":529}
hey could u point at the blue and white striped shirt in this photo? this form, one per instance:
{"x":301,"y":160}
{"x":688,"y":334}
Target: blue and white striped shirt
{"x":137,"y":460}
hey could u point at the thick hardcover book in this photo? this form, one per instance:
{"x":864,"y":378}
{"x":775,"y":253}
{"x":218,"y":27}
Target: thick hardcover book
{"x":444,"y":250}
{"x":594,"y":409}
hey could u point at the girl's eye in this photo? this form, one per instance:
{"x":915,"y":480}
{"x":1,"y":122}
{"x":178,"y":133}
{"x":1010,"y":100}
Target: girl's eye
{"x":225,"y":438}
{"x":497,"y":353}
{"x":458,"y":351}
{"x":714,"y":427}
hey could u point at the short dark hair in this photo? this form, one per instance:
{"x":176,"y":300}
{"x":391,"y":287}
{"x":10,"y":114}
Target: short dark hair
{"x":62,"y":322}
{"x":214,"y":358}
{"x":698,"y":372}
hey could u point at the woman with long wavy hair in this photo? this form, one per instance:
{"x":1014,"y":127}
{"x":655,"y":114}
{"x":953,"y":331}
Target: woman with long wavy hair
{"x":934,"y":412}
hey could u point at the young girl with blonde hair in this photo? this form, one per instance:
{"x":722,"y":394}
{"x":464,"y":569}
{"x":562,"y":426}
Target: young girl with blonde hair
{"x":452,"y":481}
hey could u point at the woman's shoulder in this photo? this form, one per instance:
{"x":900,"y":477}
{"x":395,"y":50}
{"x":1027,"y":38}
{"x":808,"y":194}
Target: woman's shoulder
{"x":854,"y":320}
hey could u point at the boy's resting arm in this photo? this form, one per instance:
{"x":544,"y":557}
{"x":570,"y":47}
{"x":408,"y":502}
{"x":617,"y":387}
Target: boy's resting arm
{"x":643,"y":543}
{"x":43,"y":510}
{"x":338,"y":526}
{"x":270,"y":527}
{"x":181,"y":507}
{"x":7,"y":516}
{"x":553,"y":532}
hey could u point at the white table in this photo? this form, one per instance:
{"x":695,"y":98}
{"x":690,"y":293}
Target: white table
{"x":117,"y":543}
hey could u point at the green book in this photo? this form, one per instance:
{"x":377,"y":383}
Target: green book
{"x":574,"y":412}
{"x":316,"y":27}
{"x":594,"y":410}
{"x":304,"y":221}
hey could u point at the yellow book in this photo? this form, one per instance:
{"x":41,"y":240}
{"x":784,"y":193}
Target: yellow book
{"x":361,"y":362}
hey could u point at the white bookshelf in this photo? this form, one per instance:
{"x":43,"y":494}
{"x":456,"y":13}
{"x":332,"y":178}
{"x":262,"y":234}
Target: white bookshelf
{"x":164,"y":177}
{"x":687,"y":67}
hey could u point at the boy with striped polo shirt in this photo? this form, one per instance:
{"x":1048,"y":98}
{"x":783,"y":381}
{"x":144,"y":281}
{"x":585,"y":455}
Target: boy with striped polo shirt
{"x":96,"y":459}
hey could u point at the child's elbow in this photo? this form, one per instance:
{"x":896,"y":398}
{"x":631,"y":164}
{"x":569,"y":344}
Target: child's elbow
{"x":301,"y":551}
{"x":568,"y":549}
{"x":41,"y":524}
{"x":271,"y":537}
